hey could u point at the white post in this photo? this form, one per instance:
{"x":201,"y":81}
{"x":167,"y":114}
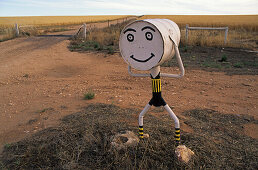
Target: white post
{"x":16,"y":30}
{"x":226,"y":35}
{"x":84,"y":31}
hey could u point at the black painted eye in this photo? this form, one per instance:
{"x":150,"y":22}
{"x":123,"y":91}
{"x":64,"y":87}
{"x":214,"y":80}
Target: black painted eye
{"x":149,"y":36}
{"x":130,"y":37}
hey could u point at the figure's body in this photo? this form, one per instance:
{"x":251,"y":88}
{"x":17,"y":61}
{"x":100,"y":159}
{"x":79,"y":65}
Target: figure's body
{"x":158,"y":101}
{"x":145,"y":45}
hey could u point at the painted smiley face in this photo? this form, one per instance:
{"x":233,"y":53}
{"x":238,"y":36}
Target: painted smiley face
{"x":141,"y":45}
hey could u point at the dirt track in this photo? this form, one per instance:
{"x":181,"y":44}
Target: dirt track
{"x":41,"y":81}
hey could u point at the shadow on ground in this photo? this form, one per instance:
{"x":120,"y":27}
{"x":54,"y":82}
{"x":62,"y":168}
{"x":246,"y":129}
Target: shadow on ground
{"x":82,"y":141}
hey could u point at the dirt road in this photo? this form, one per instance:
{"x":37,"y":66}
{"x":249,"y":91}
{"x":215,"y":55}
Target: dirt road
{"x":42,"y":81}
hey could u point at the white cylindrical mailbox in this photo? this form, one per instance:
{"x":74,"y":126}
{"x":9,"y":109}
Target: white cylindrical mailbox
{"x":145,"y":44}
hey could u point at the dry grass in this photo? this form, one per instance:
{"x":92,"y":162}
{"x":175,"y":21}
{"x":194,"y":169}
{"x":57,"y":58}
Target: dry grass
{"x":247,"y":22}
{"x":57,"y":20}
{"x":6,"y":33}
{"x":243,"y":29}
{"x":82,"y":141}
{"x":100,"y":39}
{"x":36,"y":25}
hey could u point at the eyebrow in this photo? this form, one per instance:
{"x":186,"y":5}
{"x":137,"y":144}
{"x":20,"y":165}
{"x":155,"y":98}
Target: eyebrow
{"x":148,"y":27}
{"x":129,"y":29}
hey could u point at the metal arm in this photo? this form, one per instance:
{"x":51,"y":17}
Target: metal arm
{"x":179,"y":61}
{"x":136,"y":75}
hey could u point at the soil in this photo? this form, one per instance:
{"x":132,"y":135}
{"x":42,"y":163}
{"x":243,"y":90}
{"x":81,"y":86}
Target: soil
{"x":42,"y":81}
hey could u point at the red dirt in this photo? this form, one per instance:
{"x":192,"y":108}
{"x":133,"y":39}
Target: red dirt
{"x":41,"y":81}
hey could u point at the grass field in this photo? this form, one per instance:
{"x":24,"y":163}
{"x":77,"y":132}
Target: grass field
{"x":56,"y":20}
{"x":47,"y":23}
{"x":247,"y":22}
{"x":243,"y":29}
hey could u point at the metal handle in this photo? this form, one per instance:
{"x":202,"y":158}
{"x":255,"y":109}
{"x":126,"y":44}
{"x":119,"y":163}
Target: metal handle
{"x":136,"y":75}
{"x":179,"y":61}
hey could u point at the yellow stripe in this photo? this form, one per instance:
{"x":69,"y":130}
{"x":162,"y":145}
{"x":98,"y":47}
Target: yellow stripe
{"x":155,"y":86}
{"x":140,"y":128}
{"x":177,"y":138}
{"x":141,"y":133}
{"x":177,"y":130}
{"x":141,"y":136}
{"x":157,"y":83}
{"x":177,"y":135}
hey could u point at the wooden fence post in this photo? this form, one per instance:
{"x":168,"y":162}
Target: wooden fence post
{"x":16,"y":30}
{"x":84,"y":31}
{"x":108,"y":23}
{"x":226,"y":35}
{"x":186,"y":33}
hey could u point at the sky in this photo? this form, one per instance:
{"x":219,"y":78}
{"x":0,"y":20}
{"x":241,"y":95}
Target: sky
{"x":126,"y":7}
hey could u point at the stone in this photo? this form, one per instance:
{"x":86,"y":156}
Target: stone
{"x":183,"y":153}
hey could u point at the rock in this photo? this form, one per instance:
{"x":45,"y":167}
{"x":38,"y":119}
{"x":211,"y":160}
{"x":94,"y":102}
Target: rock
{"x":183,"y":153}
{"x":145,"y":135}
{"x":124,"y":140}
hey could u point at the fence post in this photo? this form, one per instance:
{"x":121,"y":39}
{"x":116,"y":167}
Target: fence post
{"x":226,"y":35}
{"x":108,"y":23}
{"x":84,"y":31}
{"x":186,"y":33}
{"x":16,"y":30}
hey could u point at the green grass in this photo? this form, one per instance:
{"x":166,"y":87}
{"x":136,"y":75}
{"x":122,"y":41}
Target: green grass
{"x":238,"y":65}
{"x":89,"y":95}
{"x":211,"y":64}
{"x":7,"y":145}
{"x":224,"y":58}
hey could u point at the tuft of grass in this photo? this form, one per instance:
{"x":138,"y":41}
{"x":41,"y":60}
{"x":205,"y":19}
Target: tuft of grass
{"x":224,"y":58}
{"x":89,"y":95}
{"x":45,"y":110}
{"x":110,"y":50}
{"x":211,"y":64}
{"x":238,"y":65}
{"x":26,"y":75}
{"x":7,"y":145}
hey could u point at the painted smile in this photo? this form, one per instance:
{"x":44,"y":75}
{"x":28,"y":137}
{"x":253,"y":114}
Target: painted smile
{"x":142,"y":61}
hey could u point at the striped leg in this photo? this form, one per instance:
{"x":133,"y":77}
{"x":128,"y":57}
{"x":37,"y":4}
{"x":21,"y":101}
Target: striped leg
{"x":177,"y":125}
{"x":177,"y":136}
{"x":146,"y":108}
{"x":141,"y":132}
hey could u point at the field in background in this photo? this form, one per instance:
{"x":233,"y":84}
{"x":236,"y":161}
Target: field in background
{"x":57,"y":20}
{"x":43,"y":24}
{"x":243,"y":29}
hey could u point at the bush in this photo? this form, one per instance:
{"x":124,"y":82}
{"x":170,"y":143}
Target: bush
{"x":89,"y":95}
